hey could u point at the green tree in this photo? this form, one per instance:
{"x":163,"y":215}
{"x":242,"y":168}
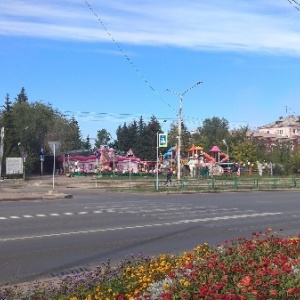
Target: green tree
{"x":196,"y":138}
{"x":66,"y":131}
{"x":114,"y":144}
{"x":123,"y":138}
{"x":74,"y":134}
{"x":30,"y":126}
{"x":26,"y":132}
{"x":186,"y":138}
{"x":7,"y":104}
{"x":236,"y":137}
{"x":22,"y":96}
{"x":140,"y":137}
{"x":87,"y":144}
{"x":149,"y":145}
{"x":133,"y":137}
{"x":295,"y":162}
{"x":139,"y":147}
{"x":244,"y":152}
{"x":172,"y":134}
{"x":7,"y":121}
{"x":103,"y":138}
{"x":239,"y":135}
{"x":213,"y":131}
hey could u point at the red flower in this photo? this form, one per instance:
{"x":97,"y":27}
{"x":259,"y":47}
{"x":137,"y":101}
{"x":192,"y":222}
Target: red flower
{"x":274,"y":282}
{"x":274,"y":272}
{"x":293,"y":291}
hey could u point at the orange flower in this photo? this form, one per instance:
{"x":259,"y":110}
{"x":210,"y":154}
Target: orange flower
{"x":273,"y":293}
{"x":246,"y":281}
{"x":268,"y":231}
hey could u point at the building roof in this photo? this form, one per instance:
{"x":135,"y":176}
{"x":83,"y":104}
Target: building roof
{"x":289,"y":121}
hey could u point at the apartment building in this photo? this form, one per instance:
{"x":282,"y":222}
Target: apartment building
{"x":284,"y":131}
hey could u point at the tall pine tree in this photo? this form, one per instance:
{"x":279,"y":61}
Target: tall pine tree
{"x":22,"y":97}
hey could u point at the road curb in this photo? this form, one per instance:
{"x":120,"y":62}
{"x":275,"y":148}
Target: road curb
{"x":16,"y":197}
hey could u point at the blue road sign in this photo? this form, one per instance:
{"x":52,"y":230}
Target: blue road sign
{"x":163,"y":140}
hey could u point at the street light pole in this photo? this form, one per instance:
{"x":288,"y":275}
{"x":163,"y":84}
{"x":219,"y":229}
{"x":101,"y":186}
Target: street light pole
{"x":179,"y":126}
{"x":53,"y":166}
{"x":157,"y":159}
{"x":1,"y":149}
{"x":225,"y":143}
{"x":179,"y":138}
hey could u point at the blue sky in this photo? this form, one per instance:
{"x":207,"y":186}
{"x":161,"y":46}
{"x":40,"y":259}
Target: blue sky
{"x":109,"y":62}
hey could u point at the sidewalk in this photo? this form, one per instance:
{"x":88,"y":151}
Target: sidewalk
{"x":34,"y":188}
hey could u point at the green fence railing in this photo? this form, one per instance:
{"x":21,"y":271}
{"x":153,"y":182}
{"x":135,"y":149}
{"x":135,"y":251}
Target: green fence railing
{"x":200,"y":184}
{"x":237,"y":183}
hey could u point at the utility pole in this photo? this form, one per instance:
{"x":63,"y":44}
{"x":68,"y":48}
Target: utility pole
{"x":1,"y":149}
{"x":179,"y":126}
{"x":225,"y":143}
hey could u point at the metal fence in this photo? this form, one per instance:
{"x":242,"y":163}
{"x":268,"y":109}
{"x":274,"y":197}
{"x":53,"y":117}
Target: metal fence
{"x":199,"y":184}
{"x":256,"y":183}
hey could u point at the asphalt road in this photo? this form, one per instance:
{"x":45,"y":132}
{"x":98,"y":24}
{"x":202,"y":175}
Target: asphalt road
{"x":55,"y":237}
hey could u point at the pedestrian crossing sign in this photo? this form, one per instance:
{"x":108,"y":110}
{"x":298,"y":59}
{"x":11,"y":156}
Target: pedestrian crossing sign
{"x":163,"y":140}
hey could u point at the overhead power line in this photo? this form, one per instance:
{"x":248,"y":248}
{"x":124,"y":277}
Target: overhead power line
{"x":127,"y":57}
{"x":295,"y":3}
{"x":99,"y":116}
{"x":194,"y":120}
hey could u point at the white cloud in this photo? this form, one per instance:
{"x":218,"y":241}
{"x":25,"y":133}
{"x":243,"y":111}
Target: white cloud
{"x":237,"y":26}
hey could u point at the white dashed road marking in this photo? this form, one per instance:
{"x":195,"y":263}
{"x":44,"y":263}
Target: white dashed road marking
{"x":253,"y":215}
{"x":158,"y":212}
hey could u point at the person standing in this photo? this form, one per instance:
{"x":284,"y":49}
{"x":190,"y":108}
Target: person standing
{"x":169,"y":178}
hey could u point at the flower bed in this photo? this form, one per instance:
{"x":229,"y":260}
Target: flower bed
{"x":263,"y":267}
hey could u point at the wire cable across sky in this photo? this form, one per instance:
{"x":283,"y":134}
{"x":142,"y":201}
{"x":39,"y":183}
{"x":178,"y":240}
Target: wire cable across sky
{"x":295,"y":3}
{"x":193,"y":119}
{"x":127,"y":57}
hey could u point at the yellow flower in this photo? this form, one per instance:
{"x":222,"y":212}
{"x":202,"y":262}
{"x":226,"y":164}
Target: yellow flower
{"x":98,"y":289}
{"x":163,"y":262}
